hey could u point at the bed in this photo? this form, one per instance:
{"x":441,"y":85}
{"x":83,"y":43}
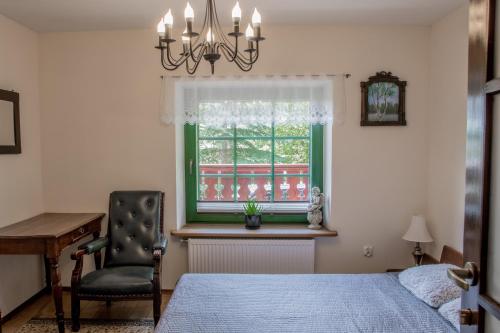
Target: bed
{"x":299,"y":303}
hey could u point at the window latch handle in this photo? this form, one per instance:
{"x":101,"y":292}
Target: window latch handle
{"x":191,"y":167}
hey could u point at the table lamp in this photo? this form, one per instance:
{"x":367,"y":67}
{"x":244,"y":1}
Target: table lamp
{"x":417,"y":232}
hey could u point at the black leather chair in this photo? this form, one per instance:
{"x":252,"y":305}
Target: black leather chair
{"x":134,"y":246}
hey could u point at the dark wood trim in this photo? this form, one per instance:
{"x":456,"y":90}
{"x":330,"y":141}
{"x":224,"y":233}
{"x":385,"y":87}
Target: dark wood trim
{"x":451,"y":256}
{"x":478,"y":149}
{"x":12,"y":96}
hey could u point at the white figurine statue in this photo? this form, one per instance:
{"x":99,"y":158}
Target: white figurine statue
{"x":314,"y":213}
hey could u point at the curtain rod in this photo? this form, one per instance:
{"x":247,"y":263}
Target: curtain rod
{"x":346,"y":75}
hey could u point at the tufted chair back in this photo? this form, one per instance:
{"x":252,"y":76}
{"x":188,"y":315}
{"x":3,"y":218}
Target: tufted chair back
{"x":135,"y":223}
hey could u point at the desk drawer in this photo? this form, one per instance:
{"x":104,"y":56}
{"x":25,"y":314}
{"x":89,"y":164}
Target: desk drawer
{"x":78,"y":234}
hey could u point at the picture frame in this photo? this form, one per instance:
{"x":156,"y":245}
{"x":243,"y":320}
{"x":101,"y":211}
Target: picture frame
{"x":383,"y":99}
{"x":10,"y":128}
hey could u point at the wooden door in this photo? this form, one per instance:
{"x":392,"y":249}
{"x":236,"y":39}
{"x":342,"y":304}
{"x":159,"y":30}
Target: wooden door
{"x":480,"y":307}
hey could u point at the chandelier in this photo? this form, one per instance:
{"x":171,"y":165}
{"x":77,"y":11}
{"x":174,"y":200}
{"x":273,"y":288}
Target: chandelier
{"x":215,"y":42}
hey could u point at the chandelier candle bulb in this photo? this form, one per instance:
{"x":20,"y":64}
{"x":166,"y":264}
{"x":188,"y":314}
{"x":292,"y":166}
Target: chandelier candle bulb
{"x":249,"y":32}
{"x":189,"y":13}
{"x":210,"y":36}
{"x":185,"y":44}
{"x":256,"y":21}
{"x":168,"y":19}
{"x":160,"y":28}
{"x":185,"y":39}
{"x":236,"y":12}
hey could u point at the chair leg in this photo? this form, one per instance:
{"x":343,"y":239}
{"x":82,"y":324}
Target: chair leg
{"x":156,"y":307}
{"x":75,"y":313}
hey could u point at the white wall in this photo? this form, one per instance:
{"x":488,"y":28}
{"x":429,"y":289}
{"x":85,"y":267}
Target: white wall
{"x":20,"y":175}
{"x":101,"y":131}
{"x":447,"y":129}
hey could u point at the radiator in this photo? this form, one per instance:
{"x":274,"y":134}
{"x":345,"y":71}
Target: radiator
{"x":266,"y":256}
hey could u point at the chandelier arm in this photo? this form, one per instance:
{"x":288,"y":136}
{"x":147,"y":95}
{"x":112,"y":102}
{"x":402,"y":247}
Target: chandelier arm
{"x":241,"y":58}
{"x":166,"y":64}
{"x":219,"y":29}
{"x":192,"y":70}
{"x":174,"y":62}
{"x":235,"y":51}
{"x":192,"y":51}
{"x":197,"y":38}
{"x":197,"y":58}
{"x":243,"y":67}
{"x":229,"y":54}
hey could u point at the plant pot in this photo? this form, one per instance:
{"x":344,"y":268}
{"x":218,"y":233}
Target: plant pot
{"x":253,"y":222}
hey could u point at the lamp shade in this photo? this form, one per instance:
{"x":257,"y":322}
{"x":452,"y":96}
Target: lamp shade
{"x":417,"y":232}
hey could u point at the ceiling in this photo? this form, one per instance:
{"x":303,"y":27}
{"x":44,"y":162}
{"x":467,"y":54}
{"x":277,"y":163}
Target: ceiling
{"x":82,"y":15}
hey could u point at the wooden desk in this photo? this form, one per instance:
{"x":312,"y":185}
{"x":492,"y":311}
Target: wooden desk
{"x":48,"y":234}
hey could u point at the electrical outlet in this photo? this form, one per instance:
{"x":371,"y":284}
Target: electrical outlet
{"x":368,"y":251}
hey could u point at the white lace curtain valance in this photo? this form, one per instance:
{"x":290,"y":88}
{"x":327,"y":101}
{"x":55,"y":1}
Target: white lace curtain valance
{"x":245,"y":101}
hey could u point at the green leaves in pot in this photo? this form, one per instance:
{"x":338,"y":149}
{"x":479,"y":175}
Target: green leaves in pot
{"x":251,"y":207}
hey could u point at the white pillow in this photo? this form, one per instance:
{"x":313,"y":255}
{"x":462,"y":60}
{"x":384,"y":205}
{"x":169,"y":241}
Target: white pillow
{"x":451,"y":312}
{"x":430,"y":283}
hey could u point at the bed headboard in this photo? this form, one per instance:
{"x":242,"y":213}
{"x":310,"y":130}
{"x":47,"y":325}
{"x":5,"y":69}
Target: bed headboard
{"x":451,"y":256}
{"x":448,"y":256}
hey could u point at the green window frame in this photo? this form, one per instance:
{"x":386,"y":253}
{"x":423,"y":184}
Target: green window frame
{"x":191,"y":144}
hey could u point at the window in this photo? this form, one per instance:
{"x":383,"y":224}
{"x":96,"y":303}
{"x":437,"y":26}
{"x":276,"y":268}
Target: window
{"x":256,"y":139}
{"x":273,"y":164}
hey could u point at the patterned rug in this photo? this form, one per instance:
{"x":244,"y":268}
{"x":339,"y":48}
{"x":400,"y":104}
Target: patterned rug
{"x":38,"y":325}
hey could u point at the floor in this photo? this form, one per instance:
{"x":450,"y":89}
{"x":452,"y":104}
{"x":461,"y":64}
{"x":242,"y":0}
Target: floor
{"x":44,"y":308}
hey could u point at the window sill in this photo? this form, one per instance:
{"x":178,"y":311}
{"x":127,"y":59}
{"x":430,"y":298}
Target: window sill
{"x":237,"y":207}
{"x":283,"y":231}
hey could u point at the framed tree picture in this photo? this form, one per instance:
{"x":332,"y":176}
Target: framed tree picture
{"x":383,"y":101}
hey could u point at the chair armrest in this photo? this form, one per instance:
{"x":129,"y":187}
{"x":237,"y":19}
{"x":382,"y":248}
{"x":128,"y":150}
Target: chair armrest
{"x":94,"y":245}
{"x":90,"y":247}
{"x":161,"y":245}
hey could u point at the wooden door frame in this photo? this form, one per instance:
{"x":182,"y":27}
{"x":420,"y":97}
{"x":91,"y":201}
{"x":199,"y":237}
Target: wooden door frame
{"x":481,"y":88}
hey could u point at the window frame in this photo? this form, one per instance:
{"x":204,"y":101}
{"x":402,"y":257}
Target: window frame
{"x":191,"y":179}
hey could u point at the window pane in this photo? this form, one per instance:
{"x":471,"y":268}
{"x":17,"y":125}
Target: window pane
{"x":291,"y":130}
{"x":291,"y":188}
{"x":215,"y":188}
{"x":216,"y":156}
{"x":215,"y":132}
{"x":291,"y":152}
{"x":253,"y":130}
{"x":258,"y":188}
{"x":253,"y":156}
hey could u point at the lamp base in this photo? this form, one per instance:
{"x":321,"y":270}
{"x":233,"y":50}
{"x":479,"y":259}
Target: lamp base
{"x":418,"y":254}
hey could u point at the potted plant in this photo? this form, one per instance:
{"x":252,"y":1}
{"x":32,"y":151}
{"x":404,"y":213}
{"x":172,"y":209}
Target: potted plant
{"x":253,"y":214}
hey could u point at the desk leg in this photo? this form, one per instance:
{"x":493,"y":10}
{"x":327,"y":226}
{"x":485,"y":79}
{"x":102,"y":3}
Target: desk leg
{"x":48,"y":280}
{"x":57,"y":292}
{"x":97,"y":255}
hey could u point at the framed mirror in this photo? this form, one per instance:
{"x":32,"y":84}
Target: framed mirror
{"x":10,"y":130}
